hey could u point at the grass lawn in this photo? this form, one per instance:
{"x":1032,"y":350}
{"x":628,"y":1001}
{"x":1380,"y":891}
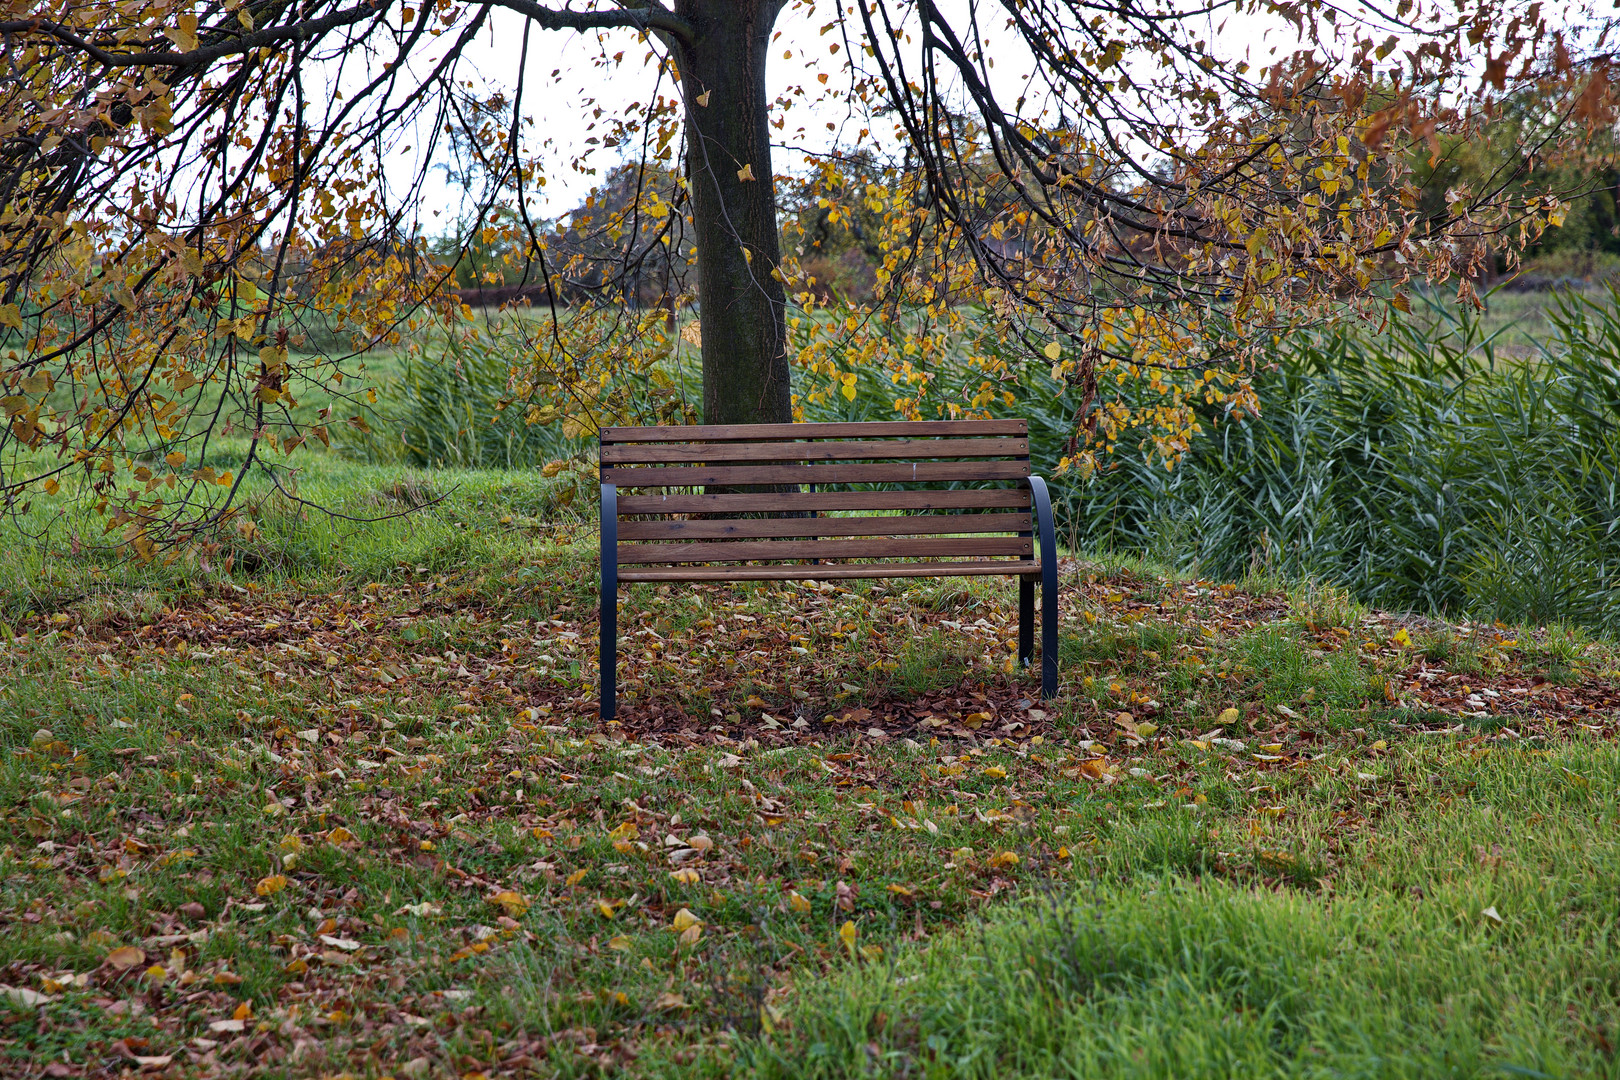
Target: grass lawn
{"x":335,"y":800}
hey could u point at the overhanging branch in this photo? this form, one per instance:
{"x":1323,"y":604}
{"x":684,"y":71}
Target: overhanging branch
{"x":646,"y":18}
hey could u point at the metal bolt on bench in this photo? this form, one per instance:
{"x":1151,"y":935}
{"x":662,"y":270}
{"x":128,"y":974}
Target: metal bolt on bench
{"x":674,"y":530}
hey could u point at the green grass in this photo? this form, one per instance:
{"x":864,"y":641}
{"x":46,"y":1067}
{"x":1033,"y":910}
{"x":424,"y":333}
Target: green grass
{"x":1469,"y":930}
{"x":343,"y":785}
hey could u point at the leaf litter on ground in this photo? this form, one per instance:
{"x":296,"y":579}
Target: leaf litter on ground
{"x":383,"y":829}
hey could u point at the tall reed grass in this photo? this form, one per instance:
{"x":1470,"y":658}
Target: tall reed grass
{"x":1417,"y":467}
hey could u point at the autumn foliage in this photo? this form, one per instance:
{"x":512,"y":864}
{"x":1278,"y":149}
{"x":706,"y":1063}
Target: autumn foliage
{"x":199,"y":229}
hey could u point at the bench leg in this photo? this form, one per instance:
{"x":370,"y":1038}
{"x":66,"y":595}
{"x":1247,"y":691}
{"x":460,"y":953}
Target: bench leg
{"x":1026,"y":621}
{"x":1047,"y":538}
{"x":1049,"y":628}
{"x":608,"y":647}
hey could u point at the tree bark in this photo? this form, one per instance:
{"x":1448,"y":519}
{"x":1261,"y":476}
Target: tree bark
{"x":741,"y":301}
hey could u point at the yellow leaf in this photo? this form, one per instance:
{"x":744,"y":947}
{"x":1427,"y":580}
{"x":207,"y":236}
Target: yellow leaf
{"x":685,"y":920}
{"x":175,"y":459}
{"x":995,"y":772}
{"x":268,"y":886}
{"x":692,"y":935}
{"x":846,"y":934}
{"x":126,"y":957}
{"x":798,"y":903}
{"x":626,"y":831}
{"x":974,"y":721}
{"x":244,"y":1011}
{"x":685,"y":875}
{"x":848,"y":390}
{"x":11,"y":315}
{"x":1053,"y":350}
{"x":1003,"y":860}
{"x":1227,"y":717}
{"x":576,"y":877}
{"x":184,"y":34}
{"x":606,"y":909}
{"x":1402,"y":638}
{"x":514,"y":904}
{"x":340,"y":835}
{"x":703,"y":98}
{"x":51,"y":486}
{"x":746,"y":173}
{"x":668,"y":1000}
{"x":156,"y":973}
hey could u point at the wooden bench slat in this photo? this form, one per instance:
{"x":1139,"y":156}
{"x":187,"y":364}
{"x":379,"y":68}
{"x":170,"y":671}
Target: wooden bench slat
{"x":825,"y":572}
{"x":909,"y":449}
{"x":789,"y":502}
{"x":888,"y":547}
{"x":746,"y":528}
{"x":882,"y":473}
{"x":854,"y":430}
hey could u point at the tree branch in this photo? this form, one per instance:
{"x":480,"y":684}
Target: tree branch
{"x":200,"y":57}
{"x":647,"y":18}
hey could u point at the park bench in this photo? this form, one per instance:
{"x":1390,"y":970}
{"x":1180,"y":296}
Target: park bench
{"x":769,"y":502}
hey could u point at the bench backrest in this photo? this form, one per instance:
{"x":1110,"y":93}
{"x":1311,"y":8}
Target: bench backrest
{"x":779,"y":480}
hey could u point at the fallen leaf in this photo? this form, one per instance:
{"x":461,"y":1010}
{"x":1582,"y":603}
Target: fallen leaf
{"x":268,"y":886}
{"x":798,"y":903}
{"x":1228,"y":717}
{"x":995,"y":772}
{"x":228,"y":1026}
{"x":346,"y":944}
{"x":126,"y":957}
{"x":1002,"y":860}
{"x":975,"y":721}
{"x":514,"y":904}
{"x":21,"y":995}
{"x":1493,"y":915}
{"x":686,"y":876}
{"x":846,"y":934}
{"x":684,"y":920}
{"x":422,"y":910}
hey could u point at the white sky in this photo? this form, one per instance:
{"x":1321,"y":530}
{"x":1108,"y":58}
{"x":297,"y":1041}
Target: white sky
{"x":563,"y":117}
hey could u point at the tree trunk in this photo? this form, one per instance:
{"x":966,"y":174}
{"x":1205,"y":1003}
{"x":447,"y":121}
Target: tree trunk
{"x":741,"y":302}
